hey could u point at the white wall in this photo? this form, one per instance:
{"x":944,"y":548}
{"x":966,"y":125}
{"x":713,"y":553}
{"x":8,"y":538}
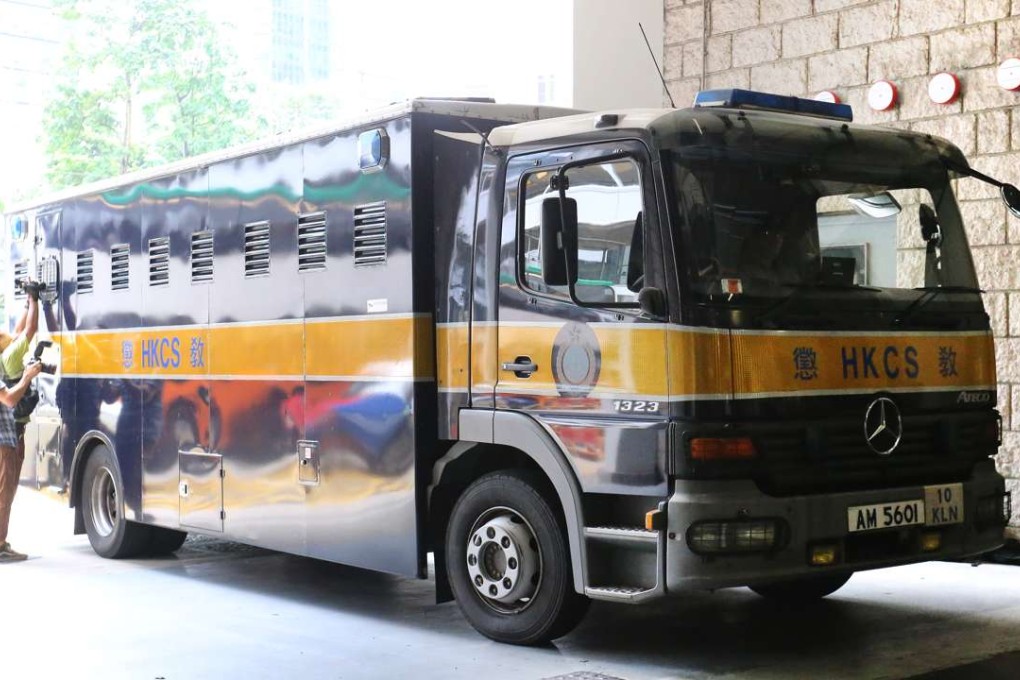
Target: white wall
{"x":612,"y":67}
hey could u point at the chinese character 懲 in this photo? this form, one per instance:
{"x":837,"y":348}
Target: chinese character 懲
{"x":127,"y":353}
{"x":805,"y":362}
{"x":947,"y":362}
{"x":197,"y":353}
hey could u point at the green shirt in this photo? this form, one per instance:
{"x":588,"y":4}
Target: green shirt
{"x":12,"y":361}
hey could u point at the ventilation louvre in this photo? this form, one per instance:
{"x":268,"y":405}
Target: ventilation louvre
{"x":202,"y":257}
{"x":256,"y":249}
{"x":370,"y":234}
{"x":159,"y":261}
{"x":20,"y":273}
{"x":120,"y":261}
{"x":47,"y":273}
{"x":311,"y":238}
{"x":85,"y":274}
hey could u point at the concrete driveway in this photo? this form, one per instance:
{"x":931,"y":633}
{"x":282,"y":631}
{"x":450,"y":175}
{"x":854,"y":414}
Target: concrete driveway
{"x":221,"y":610}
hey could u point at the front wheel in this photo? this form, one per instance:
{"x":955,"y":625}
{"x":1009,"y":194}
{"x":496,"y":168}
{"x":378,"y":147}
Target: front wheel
{"x":102,"y":498}
{"x":803,"y":589}
{"x":508,"y":561}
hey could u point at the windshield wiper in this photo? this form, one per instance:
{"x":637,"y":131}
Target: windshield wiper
{"x":929,"y":294}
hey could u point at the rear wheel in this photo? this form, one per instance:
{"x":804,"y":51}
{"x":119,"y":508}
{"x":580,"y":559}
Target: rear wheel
{"x":804,"y":589}
{"x":508,"y":561}
{"x":109,"y":532}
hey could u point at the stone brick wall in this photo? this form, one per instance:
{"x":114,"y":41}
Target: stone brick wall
{"x":800,"y":47}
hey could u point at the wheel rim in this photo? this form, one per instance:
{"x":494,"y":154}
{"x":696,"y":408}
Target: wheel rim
{"x":105,"y":508}
{"x":504,"y":560}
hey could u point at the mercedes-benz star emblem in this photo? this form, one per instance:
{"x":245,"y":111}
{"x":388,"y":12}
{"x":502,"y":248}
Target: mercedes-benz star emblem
{"x":883,"y":427}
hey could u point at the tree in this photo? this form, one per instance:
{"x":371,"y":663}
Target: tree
{"x":142,"y":82}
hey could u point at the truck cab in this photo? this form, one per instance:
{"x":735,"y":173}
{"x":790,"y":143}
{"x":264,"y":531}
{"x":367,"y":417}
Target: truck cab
{"x":750,"y":335}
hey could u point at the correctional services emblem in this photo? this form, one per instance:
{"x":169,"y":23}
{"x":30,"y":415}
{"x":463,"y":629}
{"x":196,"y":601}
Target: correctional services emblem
{"x":576,"y":360}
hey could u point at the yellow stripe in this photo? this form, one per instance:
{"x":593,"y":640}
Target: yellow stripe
{"x":696,"y":363}
{"x":397,"y":347}
{"x":768,"y":363}
{"x":458,"y":350}
{"x":452,"y":353}
{"x":247,"y":350}
{"x":699,"y":363}
{"x":709,"y":363}
{"x":628,"y":364}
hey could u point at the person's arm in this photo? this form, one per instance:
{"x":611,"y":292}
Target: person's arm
{"x":20,"y":326}
{"x":10,"y":396}
{"x":32,"y":317}
{"x":29,"y":317}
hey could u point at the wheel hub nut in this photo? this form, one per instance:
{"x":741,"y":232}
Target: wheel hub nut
{"x":501,"y":561}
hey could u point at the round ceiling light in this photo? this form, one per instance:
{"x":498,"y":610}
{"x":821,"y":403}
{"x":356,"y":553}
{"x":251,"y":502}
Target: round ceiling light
{"x":944,"y":88}
{"x":1008,"y":74}
{"x":882,"y":96}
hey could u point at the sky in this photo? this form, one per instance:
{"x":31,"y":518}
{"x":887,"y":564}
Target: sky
{"x":384,"y":51}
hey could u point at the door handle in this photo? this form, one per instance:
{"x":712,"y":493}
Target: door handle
{"x":522,"y":366}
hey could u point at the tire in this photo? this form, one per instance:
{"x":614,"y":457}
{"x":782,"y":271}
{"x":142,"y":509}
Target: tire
{"x":102,"y":498}
{"x":163,"y":542}
{"x":508,"y":561}
{"x":804,"y":589}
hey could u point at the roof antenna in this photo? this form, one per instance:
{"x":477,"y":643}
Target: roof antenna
{"x":658,"y":70}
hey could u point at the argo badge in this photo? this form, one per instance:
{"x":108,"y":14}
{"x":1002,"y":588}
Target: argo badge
{"x":576,"y":360}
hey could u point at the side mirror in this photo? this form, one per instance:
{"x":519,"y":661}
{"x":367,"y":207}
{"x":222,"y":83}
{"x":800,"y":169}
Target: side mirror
{"x":1011,"y":197}
{"x":930,"y":229}
{"x":652,"y":302}
{"x":559,"y":240}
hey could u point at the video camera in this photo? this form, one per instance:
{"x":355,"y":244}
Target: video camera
{"x":41,"y":347}
{"x":30,"y":287}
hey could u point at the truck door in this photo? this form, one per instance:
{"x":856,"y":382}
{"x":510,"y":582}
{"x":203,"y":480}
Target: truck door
{"x":44,"y":428}
{"x":587,"y":363}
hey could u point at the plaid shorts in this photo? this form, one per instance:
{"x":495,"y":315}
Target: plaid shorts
{"x":8,"y":432}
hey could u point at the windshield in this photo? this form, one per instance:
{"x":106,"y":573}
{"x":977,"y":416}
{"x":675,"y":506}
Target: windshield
{"x":818,"y":217}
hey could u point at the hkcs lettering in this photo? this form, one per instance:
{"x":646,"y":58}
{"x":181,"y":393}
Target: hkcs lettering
{"x":160,"y":352}
{"x":872,"y":361}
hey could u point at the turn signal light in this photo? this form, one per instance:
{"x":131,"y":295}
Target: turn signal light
{"x":655,"y":520}
{"x":931,"y":541}
{"x":824,"y":555}
{"x":718,"y":448}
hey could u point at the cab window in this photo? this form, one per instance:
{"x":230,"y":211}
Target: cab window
{"x":610,"y":252}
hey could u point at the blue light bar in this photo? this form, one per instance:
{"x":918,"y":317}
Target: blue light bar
{"x":746,"y":99}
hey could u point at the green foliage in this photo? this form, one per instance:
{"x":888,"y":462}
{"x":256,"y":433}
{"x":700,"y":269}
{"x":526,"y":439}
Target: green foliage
{"x":143,"y":82}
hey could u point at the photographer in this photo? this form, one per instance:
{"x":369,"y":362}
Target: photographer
{"x":17,"y":400}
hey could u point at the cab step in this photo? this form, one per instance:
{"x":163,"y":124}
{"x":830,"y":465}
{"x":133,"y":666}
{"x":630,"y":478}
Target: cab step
{"x":625,"y":594}
{"x":626,"y":537}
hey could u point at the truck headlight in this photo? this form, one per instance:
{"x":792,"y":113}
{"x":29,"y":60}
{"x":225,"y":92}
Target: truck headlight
{"x":722,"y":537}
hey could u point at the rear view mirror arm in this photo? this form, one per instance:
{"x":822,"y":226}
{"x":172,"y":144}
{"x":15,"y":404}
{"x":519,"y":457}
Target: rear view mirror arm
{"x":1010,"y":194}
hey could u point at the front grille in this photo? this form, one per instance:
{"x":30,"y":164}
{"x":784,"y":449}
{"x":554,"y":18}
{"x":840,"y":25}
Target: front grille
{"x":833,"y":455}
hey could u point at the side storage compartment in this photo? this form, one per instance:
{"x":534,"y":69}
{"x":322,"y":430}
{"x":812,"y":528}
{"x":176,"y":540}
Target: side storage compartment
{"x":201,"y":491}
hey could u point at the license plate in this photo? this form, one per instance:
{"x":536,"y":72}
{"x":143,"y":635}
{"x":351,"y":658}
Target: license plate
{"x":944,"y":504}
{"x":885,"y":515}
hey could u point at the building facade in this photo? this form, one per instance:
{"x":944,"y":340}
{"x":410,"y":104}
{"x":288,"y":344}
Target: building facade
{"x":803,"y":47}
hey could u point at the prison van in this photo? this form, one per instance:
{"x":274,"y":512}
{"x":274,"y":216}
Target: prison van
{"x":575,"y":356}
